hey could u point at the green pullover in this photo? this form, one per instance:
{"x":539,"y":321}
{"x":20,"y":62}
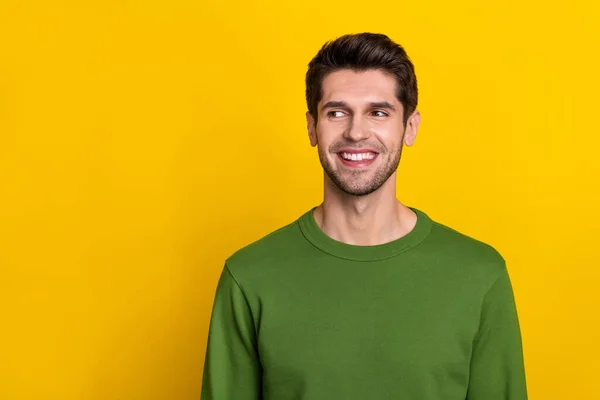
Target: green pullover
{"x":298,"y":315}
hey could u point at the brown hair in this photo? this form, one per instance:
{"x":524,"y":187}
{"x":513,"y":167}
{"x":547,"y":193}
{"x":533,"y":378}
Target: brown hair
{"x":361,"y":52}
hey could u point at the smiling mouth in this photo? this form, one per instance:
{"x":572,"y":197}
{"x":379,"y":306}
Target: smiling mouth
{"x":357,"y":160}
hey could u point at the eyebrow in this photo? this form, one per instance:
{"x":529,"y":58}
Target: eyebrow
{"x":343,"y":104}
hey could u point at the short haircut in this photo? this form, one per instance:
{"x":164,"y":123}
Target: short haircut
{"x":362,"y":52}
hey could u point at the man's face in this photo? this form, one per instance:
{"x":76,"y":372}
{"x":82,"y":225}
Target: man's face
{"x":359,"y":130}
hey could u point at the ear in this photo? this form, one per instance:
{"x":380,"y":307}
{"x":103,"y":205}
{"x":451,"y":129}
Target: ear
{"x":312,"y":129}
{"x":412,"y":126}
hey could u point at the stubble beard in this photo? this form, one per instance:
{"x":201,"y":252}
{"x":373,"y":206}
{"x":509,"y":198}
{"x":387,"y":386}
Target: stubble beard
{"x":353,"y":183}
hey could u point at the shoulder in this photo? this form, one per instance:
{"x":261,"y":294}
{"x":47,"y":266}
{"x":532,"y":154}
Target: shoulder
{"x":472,"y":256}
{"x":452,"y":238}
{"x":266,"y":250}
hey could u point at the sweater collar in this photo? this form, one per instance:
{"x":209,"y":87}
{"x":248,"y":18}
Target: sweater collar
{"x":321,"y":240}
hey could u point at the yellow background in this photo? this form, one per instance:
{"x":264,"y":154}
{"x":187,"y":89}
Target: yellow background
{"x":143,"y":142}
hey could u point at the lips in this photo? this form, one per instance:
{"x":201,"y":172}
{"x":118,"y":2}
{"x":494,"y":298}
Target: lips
{"x":356,"y":159}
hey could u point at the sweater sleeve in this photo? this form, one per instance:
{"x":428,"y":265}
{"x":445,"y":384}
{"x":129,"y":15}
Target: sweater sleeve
{"x":497,"y":365}
{"x":231,"y":367}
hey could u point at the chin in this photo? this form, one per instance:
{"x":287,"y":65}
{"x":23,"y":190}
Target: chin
{"x":357,"y":191}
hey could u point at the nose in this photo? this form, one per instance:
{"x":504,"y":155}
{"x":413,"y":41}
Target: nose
{"x":358,"y":129}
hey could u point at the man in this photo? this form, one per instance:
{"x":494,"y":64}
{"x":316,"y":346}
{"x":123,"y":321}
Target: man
{"x":363,"y":297}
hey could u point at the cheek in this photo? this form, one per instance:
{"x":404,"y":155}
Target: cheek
{"x":385,"y":131}
{"x":390,"y":136}
{"x":328,"y":133}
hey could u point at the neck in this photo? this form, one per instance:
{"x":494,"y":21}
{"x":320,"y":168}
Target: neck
{"x":369,"y":220}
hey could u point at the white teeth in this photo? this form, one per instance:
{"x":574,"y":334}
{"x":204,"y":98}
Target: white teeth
{"x":358,"y":157}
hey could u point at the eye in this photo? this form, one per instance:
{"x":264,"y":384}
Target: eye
{"x":380,"y":113}
{"x":335,"y":114}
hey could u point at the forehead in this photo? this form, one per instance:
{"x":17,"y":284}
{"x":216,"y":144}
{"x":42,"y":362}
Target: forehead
{"x":359,"y":86}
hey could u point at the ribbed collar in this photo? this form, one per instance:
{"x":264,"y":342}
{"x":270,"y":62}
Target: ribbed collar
{"x":321,"y":240}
